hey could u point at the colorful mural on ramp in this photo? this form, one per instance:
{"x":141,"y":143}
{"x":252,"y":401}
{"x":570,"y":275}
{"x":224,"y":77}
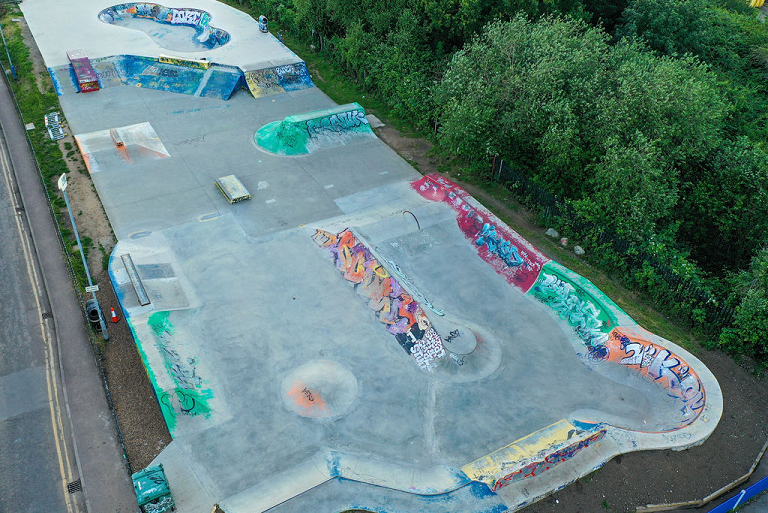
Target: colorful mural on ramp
{"x":305,"y":133}
{"x":507,"y":252}
{"x":394,"y":307}
{"x":278,"y":79}
{"x":174,"y":75}
{"x":147,"y":16}
{"x":607,"y":332}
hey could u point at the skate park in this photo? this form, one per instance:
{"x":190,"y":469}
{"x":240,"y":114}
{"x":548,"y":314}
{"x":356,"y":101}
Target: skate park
{"x":355,"y":334}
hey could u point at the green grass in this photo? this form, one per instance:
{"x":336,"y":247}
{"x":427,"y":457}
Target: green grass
{"x":34,"y":105}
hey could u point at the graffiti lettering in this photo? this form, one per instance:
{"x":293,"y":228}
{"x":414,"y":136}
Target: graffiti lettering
{"x":452,"y":335}
{"x":497,"y":245}
{"x":192,"y":140}
{"x":508,"y":253}
{"x":538,"y":467}
{"x":579,"y":312}
{"x":107,"y":73}
{"x":188,"y":396}
{"x":392,"y":306}
{"x":186,"y":16}
{"x":337,"y":123}
{"x":665,"y":368}
{"x":289,"y":77}
{"x":308,"y":394}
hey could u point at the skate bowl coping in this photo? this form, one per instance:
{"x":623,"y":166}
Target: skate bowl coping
{"x":304,"y":133}
{"x":186,"y":29}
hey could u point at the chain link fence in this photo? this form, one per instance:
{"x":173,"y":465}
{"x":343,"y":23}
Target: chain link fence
{"x":678,"y":290}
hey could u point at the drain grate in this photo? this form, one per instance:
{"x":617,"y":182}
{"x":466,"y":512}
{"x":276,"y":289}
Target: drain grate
{"x":47,"y":315}
{"x":75,"y":486}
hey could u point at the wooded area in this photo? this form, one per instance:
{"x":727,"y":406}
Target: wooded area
{"x":648,"y":118}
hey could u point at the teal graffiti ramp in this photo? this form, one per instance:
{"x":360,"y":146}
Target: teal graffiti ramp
{"x":304,"y":133}
{"x":590,"y":313}
{"x":180,"y":382}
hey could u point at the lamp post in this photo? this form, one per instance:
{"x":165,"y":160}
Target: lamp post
{"x":91,"y":288}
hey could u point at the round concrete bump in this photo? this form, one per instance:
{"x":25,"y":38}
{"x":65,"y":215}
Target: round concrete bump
{"x":319,"y":389}
{"x":457,"y":337}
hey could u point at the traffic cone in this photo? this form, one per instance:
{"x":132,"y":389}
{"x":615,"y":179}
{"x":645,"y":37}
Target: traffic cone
{"x":114,"y":315}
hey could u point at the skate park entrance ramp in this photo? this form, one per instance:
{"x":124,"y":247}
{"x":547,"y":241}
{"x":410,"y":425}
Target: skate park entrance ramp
{"x":356,"y":335}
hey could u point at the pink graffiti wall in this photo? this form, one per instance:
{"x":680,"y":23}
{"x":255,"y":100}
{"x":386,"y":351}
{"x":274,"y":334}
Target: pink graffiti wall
{"x":510,"y":255}
{"x":520,"y":264}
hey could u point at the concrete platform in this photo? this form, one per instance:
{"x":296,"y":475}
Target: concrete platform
{"x":357,"y":334}
{"x":61,"y":26}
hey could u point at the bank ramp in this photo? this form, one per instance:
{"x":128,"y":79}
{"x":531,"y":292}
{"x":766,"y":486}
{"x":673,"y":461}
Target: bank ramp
{"x":304,"y":133}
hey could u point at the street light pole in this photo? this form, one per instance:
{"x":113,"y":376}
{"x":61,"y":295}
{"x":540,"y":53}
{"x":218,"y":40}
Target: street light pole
{"x":63,"y":189}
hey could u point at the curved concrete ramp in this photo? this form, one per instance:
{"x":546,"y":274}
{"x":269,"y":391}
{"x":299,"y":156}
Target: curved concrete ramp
{"x":180,"y":29}
{"x":304,"y":133}
{"x":605,"y":333}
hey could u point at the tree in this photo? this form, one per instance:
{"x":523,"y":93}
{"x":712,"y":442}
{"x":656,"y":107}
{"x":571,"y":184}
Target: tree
{"x":747,"y":336}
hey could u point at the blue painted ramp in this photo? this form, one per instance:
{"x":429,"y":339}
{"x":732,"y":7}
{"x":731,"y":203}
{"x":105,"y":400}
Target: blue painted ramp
{"x":215,"y":82}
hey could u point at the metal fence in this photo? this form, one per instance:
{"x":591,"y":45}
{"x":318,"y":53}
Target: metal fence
{"x":680,"y":289}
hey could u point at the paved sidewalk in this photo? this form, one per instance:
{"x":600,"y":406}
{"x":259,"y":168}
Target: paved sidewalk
{"x":106,"y":482}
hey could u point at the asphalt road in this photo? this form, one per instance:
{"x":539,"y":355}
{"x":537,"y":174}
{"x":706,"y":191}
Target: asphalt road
{"x":36,"y":451}
{"x":48,"y":374}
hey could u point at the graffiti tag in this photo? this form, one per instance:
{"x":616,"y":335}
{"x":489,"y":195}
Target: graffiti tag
{"x":579,"y":312}
{"x":666,"y":368}
{"x":402,"y":315}
{"x":538,"y":467}
{"x":337,"y":123}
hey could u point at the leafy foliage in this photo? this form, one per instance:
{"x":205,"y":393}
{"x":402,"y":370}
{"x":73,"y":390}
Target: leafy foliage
{"x":748,"y":334}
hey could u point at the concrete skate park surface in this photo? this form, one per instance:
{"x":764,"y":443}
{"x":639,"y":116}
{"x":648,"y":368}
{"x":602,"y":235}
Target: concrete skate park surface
{"x":355,"y":335}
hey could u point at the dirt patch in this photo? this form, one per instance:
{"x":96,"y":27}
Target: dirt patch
{"x":655,"y":477}
{"x":413,"y":149}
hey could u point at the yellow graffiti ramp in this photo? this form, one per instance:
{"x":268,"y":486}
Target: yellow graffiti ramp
{"x":488,"y":467}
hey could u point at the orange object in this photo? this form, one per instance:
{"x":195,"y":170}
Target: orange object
{"x":114,"y":315}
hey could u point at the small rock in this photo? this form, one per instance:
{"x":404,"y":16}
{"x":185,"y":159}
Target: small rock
{"x":578,"y":250}
{"x":551,"y":232}
{"x":564,"y":241}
